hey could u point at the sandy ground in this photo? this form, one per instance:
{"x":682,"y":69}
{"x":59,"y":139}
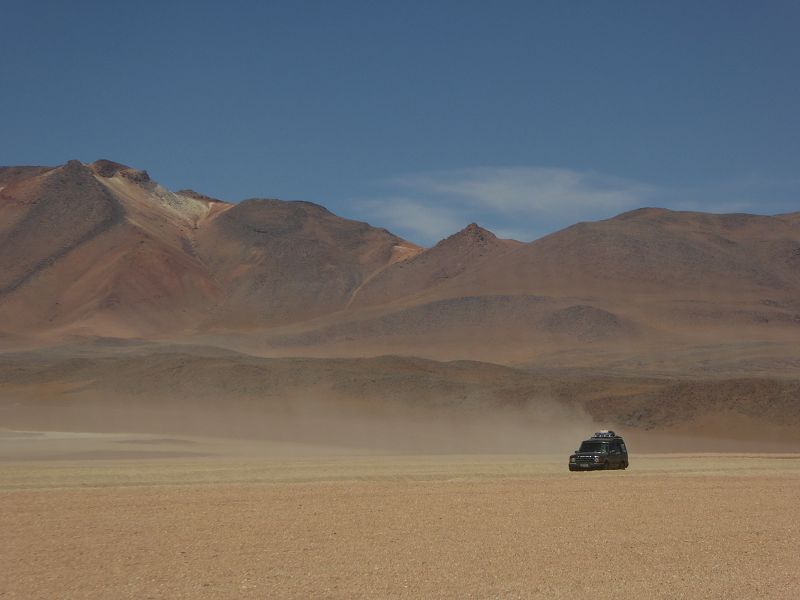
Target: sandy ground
{"x":124,"y":516}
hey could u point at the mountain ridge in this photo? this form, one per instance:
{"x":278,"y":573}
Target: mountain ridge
{"x":100,"y":249}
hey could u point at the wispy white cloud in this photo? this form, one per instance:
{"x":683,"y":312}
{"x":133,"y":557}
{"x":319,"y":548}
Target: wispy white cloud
{"x":427,"y":220}
{"x":520,"y":202}
{"x":746,"y":193}
{"x":528,"y":190}
{"x":510,"y":233}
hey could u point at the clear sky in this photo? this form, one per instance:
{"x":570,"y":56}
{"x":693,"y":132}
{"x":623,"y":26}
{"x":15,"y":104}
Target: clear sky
{"x":419,"y":116}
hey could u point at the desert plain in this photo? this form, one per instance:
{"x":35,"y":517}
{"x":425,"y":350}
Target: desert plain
{"x":146,"y":516}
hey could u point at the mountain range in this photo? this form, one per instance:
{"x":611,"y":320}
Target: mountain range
{"x":101,"y":250}
{"x":98,"y":260}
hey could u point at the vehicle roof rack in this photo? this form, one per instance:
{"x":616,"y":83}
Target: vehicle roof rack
{"x":605,"y":433}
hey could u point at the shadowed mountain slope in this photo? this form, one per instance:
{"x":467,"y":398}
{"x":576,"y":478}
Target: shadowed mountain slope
{"x":84,"y":249}
{"x":289,"y":261}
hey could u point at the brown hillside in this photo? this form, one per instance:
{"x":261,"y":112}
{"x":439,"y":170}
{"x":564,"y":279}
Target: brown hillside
{"x":288,"y":261}
{"x":644,"y":279}
{"x":88,"y":249}
{"x":101,"y":249}
{"x":479,"y":327}
{"x":654,"y":252}
{"x":47,"y":216}
{"x":459,"y":253}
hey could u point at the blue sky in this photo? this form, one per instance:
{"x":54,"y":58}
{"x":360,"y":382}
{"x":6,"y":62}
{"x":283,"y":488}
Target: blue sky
{"x":419,"y":116}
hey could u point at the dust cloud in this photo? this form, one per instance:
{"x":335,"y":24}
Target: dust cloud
{"x":325,"y":420}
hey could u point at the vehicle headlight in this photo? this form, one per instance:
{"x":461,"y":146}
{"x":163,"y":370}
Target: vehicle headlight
{"x":572,"y":459}
{"x":598,"y":459}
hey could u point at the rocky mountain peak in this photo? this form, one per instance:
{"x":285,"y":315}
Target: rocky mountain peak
{"x":473,"y":234}
{"x":109,"y":168}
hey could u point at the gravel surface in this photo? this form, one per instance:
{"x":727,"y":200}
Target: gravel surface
{"x":422,"y":527}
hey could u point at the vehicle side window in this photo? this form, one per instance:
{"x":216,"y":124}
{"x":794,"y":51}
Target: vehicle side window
{"x":625,"y":450}
{"x":615,"y":449}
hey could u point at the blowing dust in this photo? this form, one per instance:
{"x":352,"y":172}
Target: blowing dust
{"x":322,"y":419}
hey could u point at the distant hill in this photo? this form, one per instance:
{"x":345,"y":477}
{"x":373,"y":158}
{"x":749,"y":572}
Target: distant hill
{"x":391,"y":402}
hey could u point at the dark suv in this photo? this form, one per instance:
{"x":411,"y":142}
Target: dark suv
{"x":604,"y":450}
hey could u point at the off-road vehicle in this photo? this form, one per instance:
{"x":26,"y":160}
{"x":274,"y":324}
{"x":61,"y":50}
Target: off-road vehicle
{"x":604,"y":450}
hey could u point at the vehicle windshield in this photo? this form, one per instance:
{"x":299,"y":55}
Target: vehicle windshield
{"x":594,"y":447}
